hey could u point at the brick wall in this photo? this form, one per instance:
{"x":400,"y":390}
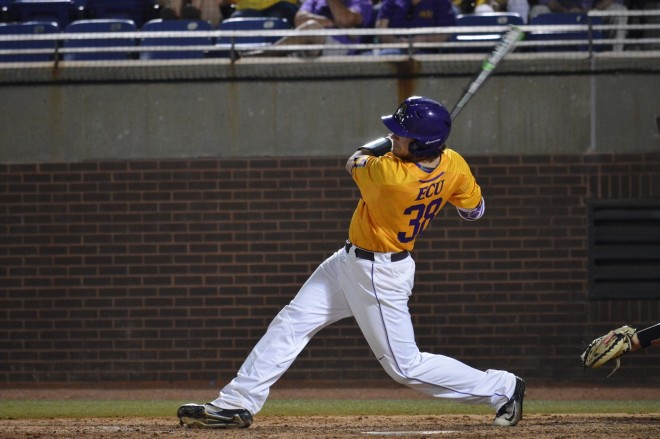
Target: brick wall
{"x":171,"y":270}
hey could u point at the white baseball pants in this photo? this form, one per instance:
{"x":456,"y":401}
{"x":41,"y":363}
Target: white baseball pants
{"x":376,"y":295}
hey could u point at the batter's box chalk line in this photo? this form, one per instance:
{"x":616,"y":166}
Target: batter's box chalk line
{"x":406,"y":433}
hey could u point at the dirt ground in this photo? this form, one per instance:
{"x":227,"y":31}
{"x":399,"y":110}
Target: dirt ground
{"x":292,"y":427}
{"x":533,"y":426}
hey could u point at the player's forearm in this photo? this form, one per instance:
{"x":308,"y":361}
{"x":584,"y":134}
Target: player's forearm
{"x":646,"y":337}
{"x":472,"y":214}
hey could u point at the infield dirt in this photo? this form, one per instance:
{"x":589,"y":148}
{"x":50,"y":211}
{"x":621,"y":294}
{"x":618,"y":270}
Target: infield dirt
{"x":344,"y":427}
{"x":533,"y":426}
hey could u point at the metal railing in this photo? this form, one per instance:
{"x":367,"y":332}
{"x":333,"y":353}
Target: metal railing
{"x":589,"y":38}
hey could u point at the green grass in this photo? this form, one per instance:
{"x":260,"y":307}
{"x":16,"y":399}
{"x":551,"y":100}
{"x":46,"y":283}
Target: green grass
{"x":26,"y":409}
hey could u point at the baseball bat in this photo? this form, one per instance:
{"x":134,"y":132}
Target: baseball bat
{"x":504,"y":46}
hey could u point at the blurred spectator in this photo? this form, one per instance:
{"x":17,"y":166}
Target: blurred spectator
{"x":190,"y":12}
{"x":560,"y":6}
{"x":398,"y":14}
{"x":261,"y":8}
{"x":584,"y":6}
{"x":520,"y":7}
{"x":208,"y":10}
{"x":328,"y":14}
{"x":613,"y":5}
{"x":475,"y":6}
{"x":167,"y":13}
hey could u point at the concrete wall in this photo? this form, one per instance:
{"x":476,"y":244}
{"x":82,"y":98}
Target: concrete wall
{"x":223,"y":110}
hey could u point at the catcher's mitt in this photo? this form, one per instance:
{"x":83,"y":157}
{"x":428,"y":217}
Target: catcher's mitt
{"x":608,"y":347}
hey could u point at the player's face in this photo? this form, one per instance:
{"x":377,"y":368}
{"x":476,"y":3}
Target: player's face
{"x":400,"y":146}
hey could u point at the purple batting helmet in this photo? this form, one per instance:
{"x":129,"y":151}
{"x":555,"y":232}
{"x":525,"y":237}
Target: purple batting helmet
{"x":422,"y":119}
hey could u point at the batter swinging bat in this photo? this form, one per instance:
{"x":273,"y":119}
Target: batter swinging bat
{"x":505,"y":46}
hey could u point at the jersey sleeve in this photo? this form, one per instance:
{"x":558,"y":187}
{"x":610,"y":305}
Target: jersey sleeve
{"x":372,"y":170}
{"x":467,"y":194}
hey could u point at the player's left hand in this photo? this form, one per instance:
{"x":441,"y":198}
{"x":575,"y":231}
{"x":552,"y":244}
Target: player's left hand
{"x":608,"y":347}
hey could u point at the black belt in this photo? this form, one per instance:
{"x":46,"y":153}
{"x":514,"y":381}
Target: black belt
{"x":369,"y":256}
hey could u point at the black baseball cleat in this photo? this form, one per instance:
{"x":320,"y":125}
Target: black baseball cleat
{"x":210,"y":416}
{"x":510,"y":413}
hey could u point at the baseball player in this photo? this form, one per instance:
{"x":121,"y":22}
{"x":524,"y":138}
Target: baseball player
{"x":404,"y":181}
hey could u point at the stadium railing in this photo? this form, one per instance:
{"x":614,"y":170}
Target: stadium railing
{"x":366,"y":41}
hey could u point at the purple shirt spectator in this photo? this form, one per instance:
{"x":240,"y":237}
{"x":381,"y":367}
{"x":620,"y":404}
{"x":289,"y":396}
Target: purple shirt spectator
{"x":320,"y":7}
{"x":427,"y":13}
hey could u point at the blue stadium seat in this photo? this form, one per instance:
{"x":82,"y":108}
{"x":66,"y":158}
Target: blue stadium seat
{"x":62,"y":12}
{"x":489,"y":19}
{"x":164,"y":26}
{"x":249,"y":24}
{"x":139,"y":11}
{"x":254,"y":23}
{"x":29,"y":28}
{"x":556,"y":19}
{"x":100,"y":25}
{"x":481,"y":20}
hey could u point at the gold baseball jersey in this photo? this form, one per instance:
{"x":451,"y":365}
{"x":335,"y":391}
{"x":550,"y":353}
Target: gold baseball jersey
{"x":399,"y":199}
